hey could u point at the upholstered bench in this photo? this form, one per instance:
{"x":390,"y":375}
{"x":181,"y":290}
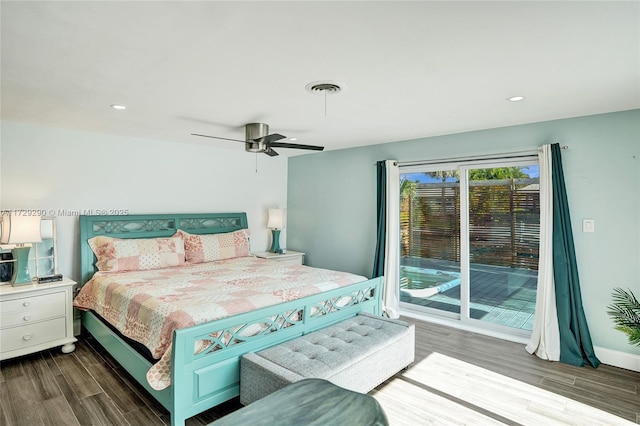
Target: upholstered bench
{"x":357,"y":354}
{"x":309,"y":402}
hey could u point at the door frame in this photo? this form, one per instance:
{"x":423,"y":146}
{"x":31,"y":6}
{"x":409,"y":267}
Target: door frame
{"x":463,"y":319}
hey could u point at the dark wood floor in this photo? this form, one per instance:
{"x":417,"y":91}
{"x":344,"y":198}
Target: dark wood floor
{"x":87,"y":387}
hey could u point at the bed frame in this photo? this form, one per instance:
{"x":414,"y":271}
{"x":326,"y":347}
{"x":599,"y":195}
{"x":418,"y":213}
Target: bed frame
{"x":204,"y":380}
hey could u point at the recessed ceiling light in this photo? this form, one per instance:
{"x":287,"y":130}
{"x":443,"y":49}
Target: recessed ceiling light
{"x":118,"y":106}
{"x":293,"y":139}
{"x":516,"y":98}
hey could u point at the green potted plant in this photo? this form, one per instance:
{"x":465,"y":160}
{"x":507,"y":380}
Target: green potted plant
{"x":625,"y":311}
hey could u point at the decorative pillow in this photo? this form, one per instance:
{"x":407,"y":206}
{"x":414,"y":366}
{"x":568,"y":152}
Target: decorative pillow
{"x":211,"y":247}
{"x":137,"y":254}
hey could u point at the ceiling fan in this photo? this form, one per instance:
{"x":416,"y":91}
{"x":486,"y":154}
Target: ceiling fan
{"x":258,"y":139}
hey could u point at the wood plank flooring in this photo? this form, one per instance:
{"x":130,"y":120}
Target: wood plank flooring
{"x":458,"y":378}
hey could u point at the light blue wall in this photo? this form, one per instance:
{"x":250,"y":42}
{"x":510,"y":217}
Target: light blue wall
{"x":331,"y":200}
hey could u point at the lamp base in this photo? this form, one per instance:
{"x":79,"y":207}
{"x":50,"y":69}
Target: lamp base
{"x":275,"y":241}
{"x":20,"y":274}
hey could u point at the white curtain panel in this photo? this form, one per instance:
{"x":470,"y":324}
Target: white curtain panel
{"x":391,"y":296}
{"x":545,"y":338}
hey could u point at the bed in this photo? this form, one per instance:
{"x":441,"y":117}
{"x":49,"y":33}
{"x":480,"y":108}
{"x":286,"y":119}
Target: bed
{"x":203,"y":377}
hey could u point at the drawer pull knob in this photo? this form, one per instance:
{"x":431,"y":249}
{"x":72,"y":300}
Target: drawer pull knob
{"x":26,"y":303}
{"x":26,"y":318}
{"x":26,"y":337}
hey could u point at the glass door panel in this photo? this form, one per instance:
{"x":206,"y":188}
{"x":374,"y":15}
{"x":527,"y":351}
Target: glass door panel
{"x":503,"y":226}
{"x":430,"y":240}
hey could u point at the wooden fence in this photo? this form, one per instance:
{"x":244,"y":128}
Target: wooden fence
{"x":504,"y":222}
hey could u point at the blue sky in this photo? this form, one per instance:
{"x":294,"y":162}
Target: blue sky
{"x":422,"y":178}
{"x":532,"y":171}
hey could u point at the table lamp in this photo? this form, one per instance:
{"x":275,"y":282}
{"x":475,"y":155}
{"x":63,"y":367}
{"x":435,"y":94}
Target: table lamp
{"x":20,"y":230}
{"x":276,"y":223}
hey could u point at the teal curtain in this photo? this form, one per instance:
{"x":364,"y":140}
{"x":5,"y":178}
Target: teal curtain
{"x":381,"y":199}
{"x":576,"y":347}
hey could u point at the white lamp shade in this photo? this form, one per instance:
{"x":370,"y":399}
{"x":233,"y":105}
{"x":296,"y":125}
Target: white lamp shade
{"x":17,"y":229}
{"x":277,"y":218}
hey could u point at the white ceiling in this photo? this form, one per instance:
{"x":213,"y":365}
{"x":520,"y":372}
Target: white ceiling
{"x":411,"y":69}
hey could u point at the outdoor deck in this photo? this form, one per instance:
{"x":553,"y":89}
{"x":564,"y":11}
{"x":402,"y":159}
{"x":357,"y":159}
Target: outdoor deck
{"x":499,"y":295}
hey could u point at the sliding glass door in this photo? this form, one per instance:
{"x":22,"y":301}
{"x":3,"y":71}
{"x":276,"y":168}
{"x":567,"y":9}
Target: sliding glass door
{"x":469,"y":242}
{"x":430,"y":239}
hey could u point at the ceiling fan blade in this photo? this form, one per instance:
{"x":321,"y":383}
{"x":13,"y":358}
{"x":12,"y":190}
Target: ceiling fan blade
{"x":296,"y":146}
{"x":217,"y":137}
{"x":270,"y":152}
{"x":270,"y":138}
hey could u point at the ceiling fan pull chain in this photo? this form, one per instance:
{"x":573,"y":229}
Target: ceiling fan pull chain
{"x":256,"y":162}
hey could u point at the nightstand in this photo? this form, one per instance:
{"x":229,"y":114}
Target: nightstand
{"x":35,"y":317}
{"x":289,"y":258}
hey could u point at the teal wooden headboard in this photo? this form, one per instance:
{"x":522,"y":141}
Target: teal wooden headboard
{"x":150,"y":226}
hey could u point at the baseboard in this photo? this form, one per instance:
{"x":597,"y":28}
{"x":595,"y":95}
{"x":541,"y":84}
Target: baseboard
{"x":618,"y":359}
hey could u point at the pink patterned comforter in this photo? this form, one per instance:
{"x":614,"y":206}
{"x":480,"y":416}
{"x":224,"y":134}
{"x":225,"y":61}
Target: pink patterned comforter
{"x":148,"y":306}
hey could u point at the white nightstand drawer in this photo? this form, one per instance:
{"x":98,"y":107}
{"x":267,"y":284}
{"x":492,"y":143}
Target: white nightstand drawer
{"x":289,"y":260}
{"x":33,"y":303}
{"x":32,"y":315}
{"x":32,"y":334}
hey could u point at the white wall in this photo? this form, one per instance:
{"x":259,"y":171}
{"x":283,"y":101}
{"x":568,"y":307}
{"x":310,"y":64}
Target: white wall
{"x":56,"y":169}
{"x":332,"y":201}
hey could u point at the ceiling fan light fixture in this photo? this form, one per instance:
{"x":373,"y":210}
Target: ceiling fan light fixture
{"x":255,"y":147}
{"x":324,"y":87}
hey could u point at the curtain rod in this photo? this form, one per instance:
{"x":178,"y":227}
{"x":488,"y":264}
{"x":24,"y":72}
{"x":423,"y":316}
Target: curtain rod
{"x":507,"y":155}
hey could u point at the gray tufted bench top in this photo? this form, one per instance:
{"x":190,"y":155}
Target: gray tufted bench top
{"x":358,"y":354}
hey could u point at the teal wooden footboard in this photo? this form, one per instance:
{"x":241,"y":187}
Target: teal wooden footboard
{"x":213,"y":376}
{"x":203,"y":378}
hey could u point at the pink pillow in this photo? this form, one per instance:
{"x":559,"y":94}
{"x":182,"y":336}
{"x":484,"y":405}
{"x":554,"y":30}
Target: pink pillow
{"x":211,"y":247}
{"x":137,"y":254}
